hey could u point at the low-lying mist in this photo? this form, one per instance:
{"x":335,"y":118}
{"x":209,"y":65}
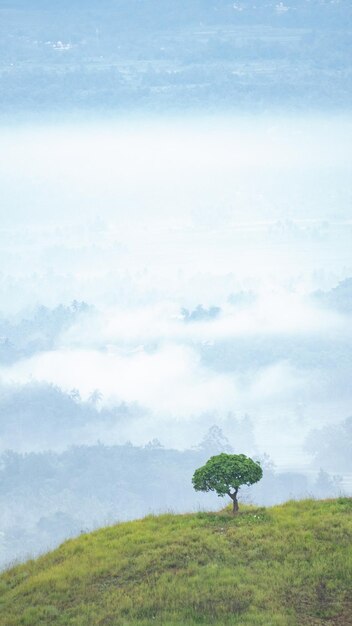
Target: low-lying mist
{"x":159,"y":279}
{"x":199,"y":245}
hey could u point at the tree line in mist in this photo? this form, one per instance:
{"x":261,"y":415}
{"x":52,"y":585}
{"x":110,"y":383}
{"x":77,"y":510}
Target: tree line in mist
{"x":49,"y":496}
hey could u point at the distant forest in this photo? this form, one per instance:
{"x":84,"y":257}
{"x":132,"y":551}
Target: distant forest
{"x":46,"y":497}
{"x":154,"y":55}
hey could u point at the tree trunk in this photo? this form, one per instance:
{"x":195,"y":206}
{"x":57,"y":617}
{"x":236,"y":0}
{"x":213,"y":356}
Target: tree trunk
{"x":233,"y":497}
{"x":234,"y":505}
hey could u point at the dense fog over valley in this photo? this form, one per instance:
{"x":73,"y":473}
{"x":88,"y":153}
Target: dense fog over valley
{"x":173,"y":283}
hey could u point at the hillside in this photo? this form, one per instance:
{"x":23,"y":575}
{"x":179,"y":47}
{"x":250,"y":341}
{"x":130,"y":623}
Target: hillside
{"x":283,"y":566}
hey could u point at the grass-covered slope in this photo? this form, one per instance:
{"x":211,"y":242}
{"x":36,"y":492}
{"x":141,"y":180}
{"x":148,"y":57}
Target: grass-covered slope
{"x":287,"y":565}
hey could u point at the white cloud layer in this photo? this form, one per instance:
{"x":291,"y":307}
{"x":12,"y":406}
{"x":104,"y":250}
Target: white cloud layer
{"x":271,"y":314}
{"x":170,"y":382}
{"x":142,"y":218}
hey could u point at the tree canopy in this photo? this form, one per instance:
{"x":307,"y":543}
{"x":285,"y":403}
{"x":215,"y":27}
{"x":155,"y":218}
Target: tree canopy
{"x":225,"y":474}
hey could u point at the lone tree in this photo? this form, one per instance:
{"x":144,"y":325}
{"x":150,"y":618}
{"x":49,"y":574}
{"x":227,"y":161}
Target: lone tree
{"x":225,"y":474}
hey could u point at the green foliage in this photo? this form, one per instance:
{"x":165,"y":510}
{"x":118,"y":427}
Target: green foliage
{"x":289,"y":565}
{"x":226,"y":473}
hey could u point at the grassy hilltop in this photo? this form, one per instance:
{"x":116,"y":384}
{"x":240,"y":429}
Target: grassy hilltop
{"x":283,"y":566}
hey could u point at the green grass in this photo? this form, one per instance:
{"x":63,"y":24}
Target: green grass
{"x":289,"y":565}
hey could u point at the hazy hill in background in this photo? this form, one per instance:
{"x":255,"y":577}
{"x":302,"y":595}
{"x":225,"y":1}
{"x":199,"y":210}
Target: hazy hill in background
{"x":154,"y":55}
